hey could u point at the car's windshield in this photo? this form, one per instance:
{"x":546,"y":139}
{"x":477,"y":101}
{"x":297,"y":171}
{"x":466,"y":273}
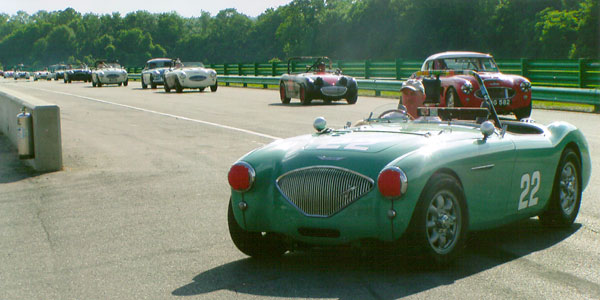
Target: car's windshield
{"x":388,"y":113}
{"x":480,"y":64}
{"x":193,"y":64}
{"x":160,"y":64}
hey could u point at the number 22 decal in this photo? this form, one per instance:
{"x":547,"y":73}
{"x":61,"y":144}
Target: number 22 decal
{"x":529,"y":182}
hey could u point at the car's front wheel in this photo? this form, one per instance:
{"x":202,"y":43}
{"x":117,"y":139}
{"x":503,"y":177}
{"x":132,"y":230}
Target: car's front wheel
{"x":440,"y":219}
{"x":255,"y":244}
{"x":126,"y":82}
{"x":178,"y":87}
{"x":213,"y":88}
{"x":452,"y":98}
{"x":282,"y":94}
{"x":166,"y":86}
{"x":524,"y":112}
{"x":144,"y":85}
{"x":563,"y":206}
{"x":352,"y":98}
{"x":304,"y":98}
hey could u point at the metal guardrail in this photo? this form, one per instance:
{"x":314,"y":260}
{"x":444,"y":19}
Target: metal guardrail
{"x":569,"y":95}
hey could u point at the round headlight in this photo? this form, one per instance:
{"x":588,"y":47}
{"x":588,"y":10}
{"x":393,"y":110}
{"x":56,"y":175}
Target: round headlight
{"x":182,"y":75}
{"x":392,"y":182}
{"x":467,"y":88}
{"x":525,"y":86}
{"x":241,"y":176}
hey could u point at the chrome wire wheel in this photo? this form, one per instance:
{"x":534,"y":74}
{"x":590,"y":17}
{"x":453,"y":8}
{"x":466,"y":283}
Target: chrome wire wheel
{"x":443,"y":222}
{"x":568,"y":188}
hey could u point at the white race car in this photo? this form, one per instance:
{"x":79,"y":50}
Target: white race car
{"x":152,"y":74}
{"x":44,"y":74}
{"x":190,"y":75}
{"x":109,"y":73}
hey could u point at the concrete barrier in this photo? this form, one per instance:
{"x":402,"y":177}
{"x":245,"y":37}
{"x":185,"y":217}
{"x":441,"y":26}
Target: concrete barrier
{"x":47,"y":143}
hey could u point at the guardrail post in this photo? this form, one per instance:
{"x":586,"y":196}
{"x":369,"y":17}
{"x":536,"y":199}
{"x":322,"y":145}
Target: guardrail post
{"x":239,"y":70}
{"x":398,"y":69}
{"x":581,"y":78}
{"x":255,"y":69}
{"x":525,"y":67}
{"x":225,"y":72}
{"x":367,"y":69}
{"x":274,"y":69}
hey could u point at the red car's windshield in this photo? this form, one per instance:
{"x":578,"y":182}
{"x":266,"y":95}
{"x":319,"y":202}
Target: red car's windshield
{"x":479,"y":64}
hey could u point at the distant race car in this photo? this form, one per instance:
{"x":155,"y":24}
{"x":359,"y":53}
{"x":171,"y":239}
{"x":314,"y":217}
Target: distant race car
{"x":109,"y":73}
{"x":420,"y":184}
{"x":21,"y":75}
{"x":58,"y":71}
{"x":189,"y":75}
{"x":509,"y":93}
{"x":152,"y":74}
{"x":316,"y":80}
{"x":78,"y":73}
{"x":44,"y":74}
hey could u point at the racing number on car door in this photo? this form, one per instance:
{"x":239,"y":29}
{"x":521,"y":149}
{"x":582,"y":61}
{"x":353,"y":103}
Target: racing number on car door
{"x":530,"y":184}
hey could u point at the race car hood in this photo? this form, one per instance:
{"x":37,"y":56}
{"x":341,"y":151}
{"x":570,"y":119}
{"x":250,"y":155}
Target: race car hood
{"x":496,"y":78}
{"x":366,"y":149}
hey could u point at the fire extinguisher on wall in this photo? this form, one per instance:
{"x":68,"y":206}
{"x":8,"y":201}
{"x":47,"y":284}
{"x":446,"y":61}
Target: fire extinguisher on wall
{"x":25,"y":135}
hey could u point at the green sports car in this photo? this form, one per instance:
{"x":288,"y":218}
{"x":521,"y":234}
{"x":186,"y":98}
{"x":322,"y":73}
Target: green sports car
{"x":426,"y":182}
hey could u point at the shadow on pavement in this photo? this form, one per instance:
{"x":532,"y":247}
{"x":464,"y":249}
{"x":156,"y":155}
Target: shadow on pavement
{"x":11,"y":168}
{"x":348,"y":274}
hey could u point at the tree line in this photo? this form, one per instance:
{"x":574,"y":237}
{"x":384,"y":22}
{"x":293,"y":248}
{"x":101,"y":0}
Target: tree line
{"x":341,"y":29}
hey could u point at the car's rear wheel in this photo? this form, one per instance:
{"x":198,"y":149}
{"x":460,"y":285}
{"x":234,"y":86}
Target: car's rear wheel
{"x":452,"y":98}
{"x":304,"y":97}
{"x":255,"y":244}
{"x":213,"y":88}
{"x":282,"y":94}
{"x":202,"y":89}
{"x":166,"y":87}
{"x":564,"y":203}
{"x":178,"y":87}
{"x":440,"y":219}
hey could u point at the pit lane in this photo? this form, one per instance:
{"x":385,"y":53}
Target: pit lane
{"x":139,"y":210}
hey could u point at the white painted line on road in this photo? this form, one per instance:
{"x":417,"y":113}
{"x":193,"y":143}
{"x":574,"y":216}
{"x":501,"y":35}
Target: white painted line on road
{"x":165,"y":114}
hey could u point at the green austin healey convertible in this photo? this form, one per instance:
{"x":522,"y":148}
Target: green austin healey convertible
{"x":424,"y":182}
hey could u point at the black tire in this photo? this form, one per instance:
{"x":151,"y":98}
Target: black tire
{"x":202,"y":89}
{"x":178,"y":87}
{"x":214,"y":87}
{"x":452,"y":99}
{"x":304,"y":98}
{"x":166,"y":87}
{"x":152,"y":84}
{"x":523,"y":113}
{"x":440,"y":220}
{"x":120,"y":83}
{"x":352,"y":98}
{"x":126,"y":82}
{"x":564,"y":203}
{"x":93,"y":83}
{"x":99,"y":83}
{"x":282,"y":94}
{"x":254,"y":244}
{"x":144,"y":85}
{"x":65,"y":79}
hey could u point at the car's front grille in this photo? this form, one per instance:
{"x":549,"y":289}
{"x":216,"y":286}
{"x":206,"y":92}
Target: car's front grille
{"x":322,"y":191}
{"x":112,"y":76}
{"x":197,"y":78}
{"x":497,"y":93}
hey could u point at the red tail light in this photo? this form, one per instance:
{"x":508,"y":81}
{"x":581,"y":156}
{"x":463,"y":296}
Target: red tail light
{"x":392,"y":182}
{"x":241,"y":176}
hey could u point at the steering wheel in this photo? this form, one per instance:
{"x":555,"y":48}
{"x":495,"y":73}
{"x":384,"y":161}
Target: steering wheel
{"x":389,"y":113}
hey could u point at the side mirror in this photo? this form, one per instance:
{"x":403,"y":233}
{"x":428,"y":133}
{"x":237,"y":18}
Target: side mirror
{"x":487,"y":128}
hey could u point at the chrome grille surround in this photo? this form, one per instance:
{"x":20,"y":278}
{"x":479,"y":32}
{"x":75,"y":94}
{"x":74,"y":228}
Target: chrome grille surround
{"x":322,"y":191}
{"x":497,"y":93}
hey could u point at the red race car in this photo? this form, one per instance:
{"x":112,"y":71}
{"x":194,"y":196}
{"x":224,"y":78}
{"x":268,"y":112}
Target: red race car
{"x":509,"y":93}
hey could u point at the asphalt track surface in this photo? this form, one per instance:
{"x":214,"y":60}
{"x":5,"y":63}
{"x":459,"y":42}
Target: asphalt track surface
{"x":139,"y":211}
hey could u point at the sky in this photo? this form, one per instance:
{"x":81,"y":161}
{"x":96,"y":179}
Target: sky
{"x":185,"y":8}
